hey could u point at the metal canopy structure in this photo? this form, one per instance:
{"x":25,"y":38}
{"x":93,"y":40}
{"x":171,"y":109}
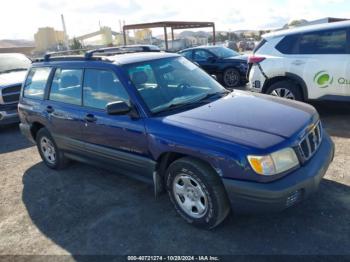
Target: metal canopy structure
{"x":174,"y":25}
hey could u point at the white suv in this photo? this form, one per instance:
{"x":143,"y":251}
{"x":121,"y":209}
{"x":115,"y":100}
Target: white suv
{"x":310,"y":62}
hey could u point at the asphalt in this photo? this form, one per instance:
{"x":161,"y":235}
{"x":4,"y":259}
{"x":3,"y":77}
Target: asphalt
{"x":85,"y":210}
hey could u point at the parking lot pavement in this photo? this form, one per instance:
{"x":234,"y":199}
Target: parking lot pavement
{"x":84,"y":210}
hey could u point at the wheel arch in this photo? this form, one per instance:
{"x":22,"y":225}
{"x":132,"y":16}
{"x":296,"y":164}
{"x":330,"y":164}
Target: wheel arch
{"x":290,"y":77}
{"x":166,"y":158}
{"x":231,"y":66}
{"x":35,"y":127}
{"x":164,"y":161}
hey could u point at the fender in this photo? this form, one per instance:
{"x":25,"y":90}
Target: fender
{"x":301,"y":82}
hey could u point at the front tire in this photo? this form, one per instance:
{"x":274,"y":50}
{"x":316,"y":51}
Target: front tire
{"x":49,"y":151}
{"x":285,"y":89}
{"x":197,"y":193}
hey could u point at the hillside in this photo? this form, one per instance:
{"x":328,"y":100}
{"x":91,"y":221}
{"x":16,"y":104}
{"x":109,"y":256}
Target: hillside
{"x":6,"y":43}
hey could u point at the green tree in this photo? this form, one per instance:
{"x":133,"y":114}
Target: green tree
{"x":295,"y":23}
{"x":75,"y":44}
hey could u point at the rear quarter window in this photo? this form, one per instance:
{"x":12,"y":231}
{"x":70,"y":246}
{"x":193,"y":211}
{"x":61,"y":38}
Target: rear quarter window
{"x":288,"y":44}
{"x":34,"y":86}
{"x":261,"y":43}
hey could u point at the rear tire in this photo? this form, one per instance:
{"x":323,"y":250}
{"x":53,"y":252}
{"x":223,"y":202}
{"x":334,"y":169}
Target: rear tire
{"x":49,"y":151}
{"x":231,"y":78}
{"x":197,"y":192}
{"x":286,"y":89}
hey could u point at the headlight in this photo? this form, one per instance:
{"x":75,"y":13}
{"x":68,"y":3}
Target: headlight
{"x":275,"y":163}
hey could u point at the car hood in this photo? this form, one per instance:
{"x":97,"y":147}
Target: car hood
{"x":251,"y":119}
{"x":12,"y":78}
{"x":240,"y":58}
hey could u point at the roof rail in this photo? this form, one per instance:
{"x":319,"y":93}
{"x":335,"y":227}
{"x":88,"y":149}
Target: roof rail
{"x":47,"y":56}
{"x":106,"y":51}
{"x":69,"y":54}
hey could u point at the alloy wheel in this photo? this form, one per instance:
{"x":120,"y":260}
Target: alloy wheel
{"x":283,"y":92}
{"x":231,"y":78}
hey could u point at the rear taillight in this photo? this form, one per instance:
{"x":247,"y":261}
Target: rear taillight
{"x":255,"y":59}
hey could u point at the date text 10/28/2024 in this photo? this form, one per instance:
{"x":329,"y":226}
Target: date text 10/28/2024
{"x":173,"y":258}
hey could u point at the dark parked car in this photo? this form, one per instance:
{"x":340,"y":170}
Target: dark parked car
{"x":228,"y":66}
{"x":13,"y":68}
{"x":160,"y":118}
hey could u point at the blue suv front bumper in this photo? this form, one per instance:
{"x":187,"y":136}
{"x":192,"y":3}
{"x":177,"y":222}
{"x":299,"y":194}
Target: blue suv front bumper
{"x":8,"y":114}
{"x":251,"y":197}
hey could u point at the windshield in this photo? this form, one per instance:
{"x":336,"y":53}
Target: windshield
{"x":172,"y":82}
{"x":13,"y":62}
{"x":223,"y":52}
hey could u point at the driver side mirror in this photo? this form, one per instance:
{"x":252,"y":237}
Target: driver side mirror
{"x":118,"y":108}
{"x":214,"y":76}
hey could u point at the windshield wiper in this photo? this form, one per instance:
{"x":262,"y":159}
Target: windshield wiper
{"x":203,"y":99}
{"x":172,"y":107}
{"x":212,"y":95}
{"x":12,"y":70}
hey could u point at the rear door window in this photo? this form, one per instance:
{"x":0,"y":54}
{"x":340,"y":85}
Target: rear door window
{"x":35,"y":83}
{"x":66,"y":86}
{"x":324,"y":42}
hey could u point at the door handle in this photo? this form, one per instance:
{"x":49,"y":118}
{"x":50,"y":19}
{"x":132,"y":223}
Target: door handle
{"x":90,"y":118}
{"x":298,"y":62}
{"x":49,"y":109}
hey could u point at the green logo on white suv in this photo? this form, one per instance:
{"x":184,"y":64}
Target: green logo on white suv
{"x":323,"y":79}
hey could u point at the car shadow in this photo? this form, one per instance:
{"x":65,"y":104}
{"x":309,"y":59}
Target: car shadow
{"x":88,"y":211}
{"x":335,"y":117}
{"x":12,"y":139}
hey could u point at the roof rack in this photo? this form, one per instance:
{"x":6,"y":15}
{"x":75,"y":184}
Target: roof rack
{"x":47,"y":56}
{"x":107,"y":51}
{"x":85,"y":54}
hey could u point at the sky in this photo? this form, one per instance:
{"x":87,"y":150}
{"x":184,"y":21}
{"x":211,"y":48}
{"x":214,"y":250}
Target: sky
{"x":20,"y":19}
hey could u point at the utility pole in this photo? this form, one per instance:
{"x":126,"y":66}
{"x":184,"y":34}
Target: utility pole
{"x":64,"y":32}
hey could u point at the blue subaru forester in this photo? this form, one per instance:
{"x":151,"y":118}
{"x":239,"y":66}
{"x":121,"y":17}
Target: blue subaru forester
{"x":160,"y":118}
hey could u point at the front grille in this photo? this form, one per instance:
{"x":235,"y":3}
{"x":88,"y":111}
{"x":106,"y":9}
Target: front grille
{"x":11,"y":89}
{"x":311,"y":142}
{"x":10,"y":94}
{"x":12,"y":98}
